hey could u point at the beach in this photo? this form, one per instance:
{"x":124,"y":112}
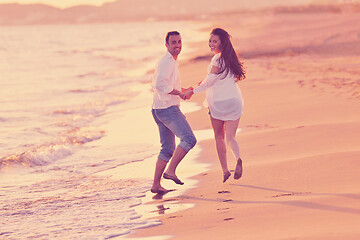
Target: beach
{"x":299,"y":134}
{"x":79,"y":144}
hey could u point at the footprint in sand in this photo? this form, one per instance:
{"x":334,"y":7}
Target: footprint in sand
{"x":290,"y":194}
{"x":223,"y":192}
{"x":223,"y":209}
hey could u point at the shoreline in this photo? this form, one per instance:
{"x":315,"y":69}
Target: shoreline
{"x":299,"y":140}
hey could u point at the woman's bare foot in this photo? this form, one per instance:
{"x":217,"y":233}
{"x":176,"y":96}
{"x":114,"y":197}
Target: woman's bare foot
{"x":238,"y":169}
{"x":226,"y":176}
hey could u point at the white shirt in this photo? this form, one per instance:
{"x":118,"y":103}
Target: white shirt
{"x":223,"y":94}
{"x":166,"y":78}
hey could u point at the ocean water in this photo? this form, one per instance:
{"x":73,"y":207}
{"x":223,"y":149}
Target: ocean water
{"x":77,"y":140}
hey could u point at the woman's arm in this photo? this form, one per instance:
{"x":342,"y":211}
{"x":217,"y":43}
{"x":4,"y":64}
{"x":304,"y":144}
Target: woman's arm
{"x":209,"y":80}
{"x":214,"y":69}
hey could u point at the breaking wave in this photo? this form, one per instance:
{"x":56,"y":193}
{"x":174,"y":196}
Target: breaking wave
{"x":49,"y":152}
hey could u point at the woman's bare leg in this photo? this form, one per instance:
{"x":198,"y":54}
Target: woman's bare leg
{"x":230,"y":131}
{"x":219,"y":132}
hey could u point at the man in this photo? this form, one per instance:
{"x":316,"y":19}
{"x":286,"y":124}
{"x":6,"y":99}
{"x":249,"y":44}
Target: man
{"x":167,"y":115}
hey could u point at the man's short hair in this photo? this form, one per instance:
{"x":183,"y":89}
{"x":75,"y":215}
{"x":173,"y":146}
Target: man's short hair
{"x":170,"y":34}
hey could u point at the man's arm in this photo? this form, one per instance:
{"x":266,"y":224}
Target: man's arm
{"x":162,"y":77}
{"x":177,"y":92}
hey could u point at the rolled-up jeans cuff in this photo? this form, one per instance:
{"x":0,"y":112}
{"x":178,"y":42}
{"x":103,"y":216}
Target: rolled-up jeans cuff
{"x":164,"y":158}
{"x":186,"y":146}
{"x":172,"y":122}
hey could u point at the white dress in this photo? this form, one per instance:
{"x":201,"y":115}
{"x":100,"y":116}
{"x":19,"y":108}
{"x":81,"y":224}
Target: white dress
{"x":223,"y":94}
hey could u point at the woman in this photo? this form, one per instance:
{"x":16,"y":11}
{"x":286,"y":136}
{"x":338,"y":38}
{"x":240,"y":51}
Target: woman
{"x":224,"y":97}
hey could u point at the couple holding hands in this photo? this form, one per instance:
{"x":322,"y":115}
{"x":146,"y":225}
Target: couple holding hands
{"x":224,"y":100}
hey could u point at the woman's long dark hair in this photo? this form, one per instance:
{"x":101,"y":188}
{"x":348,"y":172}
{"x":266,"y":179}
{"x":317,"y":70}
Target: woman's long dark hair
{"x":228,"y":59}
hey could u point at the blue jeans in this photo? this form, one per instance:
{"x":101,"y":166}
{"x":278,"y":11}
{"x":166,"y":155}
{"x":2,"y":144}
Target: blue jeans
{"x":172,"y":122}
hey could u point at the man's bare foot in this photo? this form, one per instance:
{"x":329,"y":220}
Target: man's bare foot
{"x":159,"y":190}
{"x":174,"y":178}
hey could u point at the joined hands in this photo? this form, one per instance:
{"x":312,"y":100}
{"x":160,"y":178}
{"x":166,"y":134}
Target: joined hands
{"x":186,"y":93}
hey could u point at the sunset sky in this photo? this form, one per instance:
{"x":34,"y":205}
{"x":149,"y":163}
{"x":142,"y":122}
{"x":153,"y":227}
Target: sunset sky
{"x":60,"y":3}
{"x":254,"y":3}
